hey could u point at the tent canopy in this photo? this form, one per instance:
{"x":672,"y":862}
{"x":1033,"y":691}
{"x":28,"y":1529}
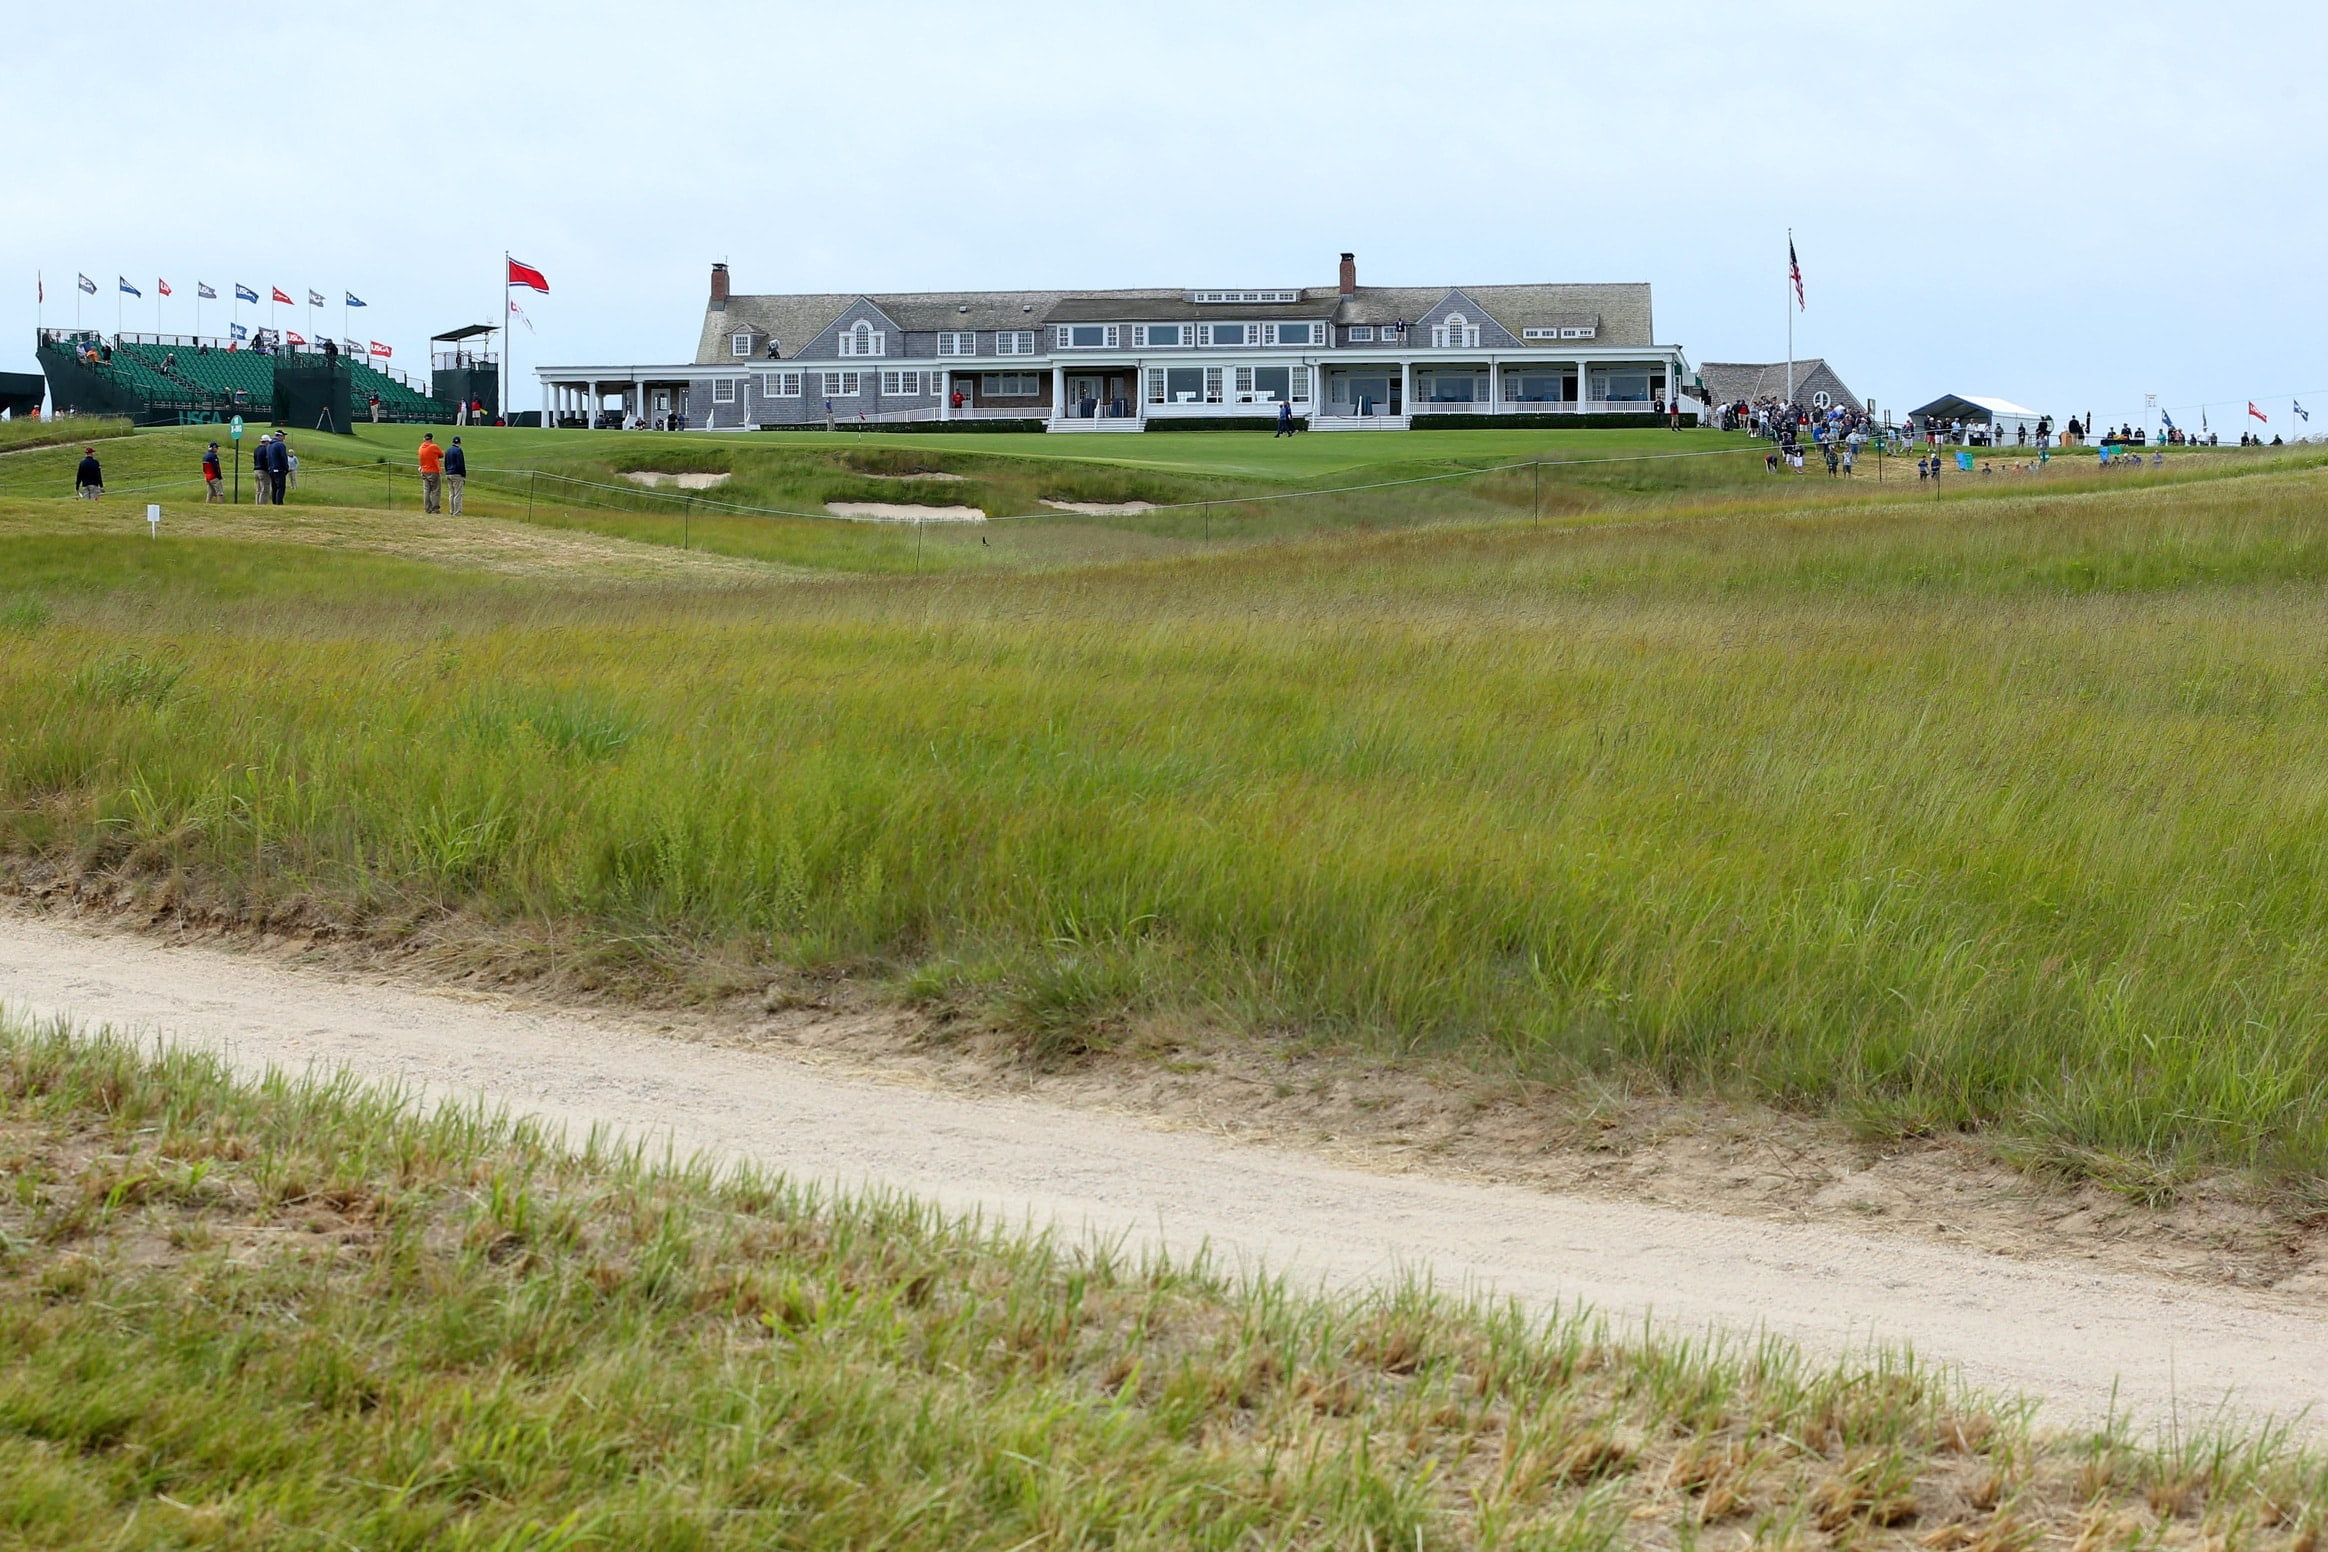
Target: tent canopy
{"x":1972,"y":406}
{"x":466,"y":331}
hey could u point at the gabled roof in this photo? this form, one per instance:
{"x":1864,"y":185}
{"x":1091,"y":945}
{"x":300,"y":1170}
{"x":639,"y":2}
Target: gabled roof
{"x":1619,"y":313}
{"x":1730,"y":381}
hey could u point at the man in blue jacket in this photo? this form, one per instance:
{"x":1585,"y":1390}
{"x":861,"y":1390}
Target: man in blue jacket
{"x":456,"y":473}
{"x":278,"y":467}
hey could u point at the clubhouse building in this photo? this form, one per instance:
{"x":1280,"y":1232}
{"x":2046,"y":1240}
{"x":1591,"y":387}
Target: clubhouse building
{"x":1345,"y":357}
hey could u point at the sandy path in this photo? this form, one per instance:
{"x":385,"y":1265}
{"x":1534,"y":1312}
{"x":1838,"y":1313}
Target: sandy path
{"x":2057,"y":1331}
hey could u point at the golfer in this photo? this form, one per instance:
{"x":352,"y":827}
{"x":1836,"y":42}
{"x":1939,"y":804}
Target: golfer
{"x":456,"y":474}
{"x":211,"y":475}
{"x":88,"y":479}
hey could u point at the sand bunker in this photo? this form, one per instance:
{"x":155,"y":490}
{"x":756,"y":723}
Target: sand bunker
{"x":901,"y":512}
{"x":1101,"y":508}
{"x":683,"y":481}
{"x":924,"y":474}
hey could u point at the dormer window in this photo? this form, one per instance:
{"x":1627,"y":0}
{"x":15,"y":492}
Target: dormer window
{"x":1455,"y":332}
{"x":862,"y":339}
{"x":740,"y":344}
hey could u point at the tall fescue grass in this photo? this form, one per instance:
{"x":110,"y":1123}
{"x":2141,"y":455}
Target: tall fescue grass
{"x":2005,"y":815}
{"x":302,"y":1314}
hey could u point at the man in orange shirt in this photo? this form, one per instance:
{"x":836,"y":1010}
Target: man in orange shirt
{"x":432,"y":471}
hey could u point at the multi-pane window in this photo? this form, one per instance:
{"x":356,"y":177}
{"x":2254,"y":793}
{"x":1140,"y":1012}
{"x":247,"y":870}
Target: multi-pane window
{"x":1085,"y":336}
{"x":902,"y":384}
{"x":1156,"y":385}
{"x":1289,"y":333}
{"x":862,"y":339}
{"x":740,"y":344}
{"x":1014,"y":342}
{"x":780,"y":385}
{"x":1155,"y":334}
{"x":1226,"y":334}
{"x":1244,"y":296}
{"x":723,"y":391}
{"x":840,"y":385}
{"x":1456,"y":332}
{"x":1362,"y":334}
{"x":1009,"y":385}
{"x":962,"y":343}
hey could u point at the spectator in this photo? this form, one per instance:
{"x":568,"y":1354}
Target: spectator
{"x":1284,"y":419}
{"x":211,"y":475}
{"x":290,"y":460}
{"x":456,"y":474}
{"x":88,"y":479}
{"x":432,"y":472}
{"x":262,"y":474}
{"x":375,"y":402}
{"x":278,"y":467}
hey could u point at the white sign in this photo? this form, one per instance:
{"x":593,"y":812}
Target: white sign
{"x":154,"y":519}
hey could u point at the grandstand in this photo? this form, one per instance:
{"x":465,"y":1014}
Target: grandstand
{"x":178,"y":379}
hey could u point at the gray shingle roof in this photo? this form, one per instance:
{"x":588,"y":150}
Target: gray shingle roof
{"x":1619,"y":311}
{"x":1730,"y":381}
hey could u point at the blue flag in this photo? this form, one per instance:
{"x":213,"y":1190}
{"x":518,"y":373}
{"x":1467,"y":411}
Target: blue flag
{"x":240,"y":331}
{"x":2166,"y":420}
{"x":357,"y":301}
{"x":243,"y":293}
{"x":2301,"y":412}
{"x":126,"y":287}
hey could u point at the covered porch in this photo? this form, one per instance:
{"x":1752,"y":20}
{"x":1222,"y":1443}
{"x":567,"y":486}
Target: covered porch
{"x":644,"y":399}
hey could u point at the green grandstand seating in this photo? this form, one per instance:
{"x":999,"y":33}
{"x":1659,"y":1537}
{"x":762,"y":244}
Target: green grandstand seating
{"x":227,"y":381}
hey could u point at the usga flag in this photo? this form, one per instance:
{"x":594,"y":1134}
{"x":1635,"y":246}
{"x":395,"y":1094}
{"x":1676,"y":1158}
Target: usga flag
{"x":243,"y":293}
{"x":379,"y":349}
{"x":162,"y":286}
{"x":126,"y":288}
{"x":205,"y":291}
{"x":2301,"y":412}
{"x":315,"y":299}
{"x":293,"y":336}
{"x":279,"y":296}
{"x":356,"y":301}
{"x":88,"y":285}
{"x":527,"y":275}
{"x":2258,"y":414}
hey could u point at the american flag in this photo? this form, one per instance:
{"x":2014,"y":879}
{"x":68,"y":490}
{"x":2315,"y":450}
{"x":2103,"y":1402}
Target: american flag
{"x":1794,"y":272}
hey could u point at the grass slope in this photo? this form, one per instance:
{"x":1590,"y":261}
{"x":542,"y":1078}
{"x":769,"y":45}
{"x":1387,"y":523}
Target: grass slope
{"x":298,"y":1315}
{"x":1993,"y":814}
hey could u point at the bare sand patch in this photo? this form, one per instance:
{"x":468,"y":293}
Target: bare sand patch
{"x":1101,"y":508}
{"x":903,"y":512}
{"x":919,"y":474}
{"x":682,"y":481}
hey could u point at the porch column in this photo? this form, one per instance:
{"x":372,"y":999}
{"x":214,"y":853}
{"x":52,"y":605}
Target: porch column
{"x":597,"y":401}
{"x":1495,"y":402}
{"x":1058,"y":393}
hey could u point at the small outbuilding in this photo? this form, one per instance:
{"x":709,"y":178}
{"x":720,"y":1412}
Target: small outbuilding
{"x":1981,"y":419}
{"x":1816,"y":385}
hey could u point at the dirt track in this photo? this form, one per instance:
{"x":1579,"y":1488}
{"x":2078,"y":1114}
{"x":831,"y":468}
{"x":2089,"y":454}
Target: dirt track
{"x":2054,"y":1330}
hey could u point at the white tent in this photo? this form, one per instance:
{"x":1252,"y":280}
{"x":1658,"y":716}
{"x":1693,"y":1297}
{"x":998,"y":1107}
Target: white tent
{"x":2003,"y":415}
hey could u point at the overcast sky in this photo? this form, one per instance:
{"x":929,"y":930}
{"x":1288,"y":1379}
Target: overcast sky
{"x":2068,"y":206}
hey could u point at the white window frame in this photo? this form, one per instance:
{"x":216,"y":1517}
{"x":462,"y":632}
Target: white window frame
{"x":740,"y":345}
{"x":780,"y":385}
{"x":1063,"y":336}
{"x":1212,"y":385}
{"x":1455,"y":332}
{"x":963,"y":342}
{"x":1033,"y":381}
{"x":1301,"y":385}
{"x":1362,"y":334}
{"x":1274,"y":334}
{"x":902,"y":383}
{"x":1014,"y":342}
{"x":1205,"y":333}
{"x":723,"y":390}
{"x":1244,"y":296}
{"x":1155,"y":385}
{"x":1144,"y":336}
{"x":842,"y":385}
{"x":862,"y":339}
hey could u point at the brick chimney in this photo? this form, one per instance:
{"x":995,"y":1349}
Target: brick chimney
{"x":719,"y":286}
{"x":1349,"y":274}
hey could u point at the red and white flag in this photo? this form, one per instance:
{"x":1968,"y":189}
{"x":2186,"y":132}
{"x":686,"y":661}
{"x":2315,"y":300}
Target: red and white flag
{"x":280,"y":297}
{"x":2258,"y":414}
{"x":1794,"y":272}
{"x":379,"y":349}
{"x":162,"y":286}
{"x":527,"y":275}
{"x":293,"y":336}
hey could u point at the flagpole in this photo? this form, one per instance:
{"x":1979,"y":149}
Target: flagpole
{"x":1790,"y":312}
{"x":501,"y":389}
